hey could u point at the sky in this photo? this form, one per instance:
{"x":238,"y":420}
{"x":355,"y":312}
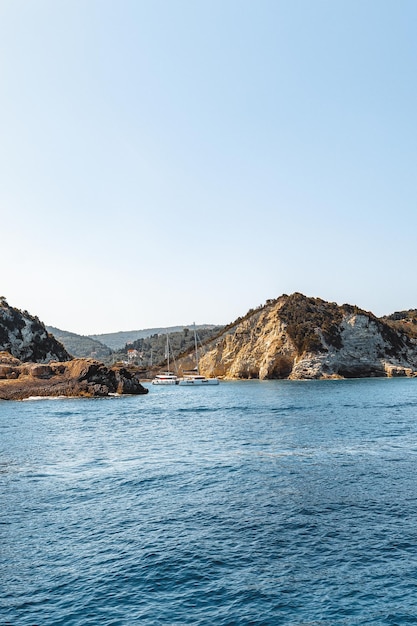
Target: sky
{"x":170,"y":161}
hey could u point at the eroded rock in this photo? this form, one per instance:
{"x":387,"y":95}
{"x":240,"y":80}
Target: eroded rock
{"x":76,"y":378}
{"x":308,"y":338}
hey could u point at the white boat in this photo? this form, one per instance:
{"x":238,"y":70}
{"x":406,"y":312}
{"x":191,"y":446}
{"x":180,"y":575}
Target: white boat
{"x":196,"y":379}
{"x":193,"y":378}
{"x":166,"y":378}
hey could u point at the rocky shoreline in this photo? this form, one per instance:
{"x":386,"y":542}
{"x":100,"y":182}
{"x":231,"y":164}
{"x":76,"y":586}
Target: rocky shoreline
{"x":294,"y":337}
{"x":76,"y":378}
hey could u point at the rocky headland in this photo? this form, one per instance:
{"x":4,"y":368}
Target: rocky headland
{"x":75,"y":378}
{"x":34,"y":363}
{"x":298,"y":337}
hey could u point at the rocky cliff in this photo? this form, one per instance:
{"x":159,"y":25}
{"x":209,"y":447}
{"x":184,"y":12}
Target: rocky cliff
{"x":300,"y":338}
{"x":26,"y":338}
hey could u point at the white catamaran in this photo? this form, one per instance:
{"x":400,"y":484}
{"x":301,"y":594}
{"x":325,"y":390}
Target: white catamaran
{"x":193,"y":378}
{"x":166,"y":378}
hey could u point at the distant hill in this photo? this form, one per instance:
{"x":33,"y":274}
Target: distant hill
{"x":151,"y":350}
{"x":81,"y":346}
{"x":117,"y":341}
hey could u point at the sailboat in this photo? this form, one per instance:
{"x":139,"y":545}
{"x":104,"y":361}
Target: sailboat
{"x":166,"y":378}
{"x":193,"y":378}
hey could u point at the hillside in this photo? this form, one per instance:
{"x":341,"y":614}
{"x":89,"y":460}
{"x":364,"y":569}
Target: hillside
{"x":152,"y":350}
{"x":26,"y":337}
{"x":81,"y":346}
{"x":118,"y":341}
{"x":404,"y":321}
{"x":299,"y":337}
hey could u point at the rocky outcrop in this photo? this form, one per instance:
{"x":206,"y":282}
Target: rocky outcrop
{"x":75,"y":378}
{"x":302,"y":338}
{"x":34,"y":363}
{"x":26,"y":338}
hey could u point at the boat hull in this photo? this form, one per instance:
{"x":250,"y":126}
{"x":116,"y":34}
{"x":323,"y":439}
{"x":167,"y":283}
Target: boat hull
{"x":198,"y":382}
{"x":165,"y":379}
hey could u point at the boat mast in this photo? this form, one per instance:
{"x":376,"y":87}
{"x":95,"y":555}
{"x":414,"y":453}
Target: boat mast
{"x":196,"y":349}
{"x":167,"y":352}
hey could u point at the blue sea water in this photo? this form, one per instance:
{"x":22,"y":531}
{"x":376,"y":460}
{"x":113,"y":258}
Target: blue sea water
{"x":250,"y":503}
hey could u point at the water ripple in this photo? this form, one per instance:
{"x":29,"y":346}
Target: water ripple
{"x":258,"y":504}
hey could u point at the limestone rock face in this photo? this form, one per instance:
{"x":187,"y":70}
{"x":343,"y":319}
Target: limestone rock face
{"x":302,"y":338}
{"x":76,"y":378}
{"x":26,"y":338}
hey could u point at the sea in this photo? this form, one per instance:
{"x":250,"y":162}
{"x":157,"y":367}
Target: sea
{"x":250,"y":503}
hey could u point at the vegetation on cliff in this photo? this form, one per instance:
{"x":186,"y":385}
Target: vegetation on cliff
{"x":404,"y":321}
{"x":26,"y":338}
{"x":305,"y":316}
{"x":309,"y":318}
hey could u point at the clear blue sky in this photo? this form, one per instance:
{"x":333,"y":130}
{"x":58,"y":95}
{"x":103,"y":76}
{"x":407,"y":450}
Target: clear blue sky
{"x":164,"y":162}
